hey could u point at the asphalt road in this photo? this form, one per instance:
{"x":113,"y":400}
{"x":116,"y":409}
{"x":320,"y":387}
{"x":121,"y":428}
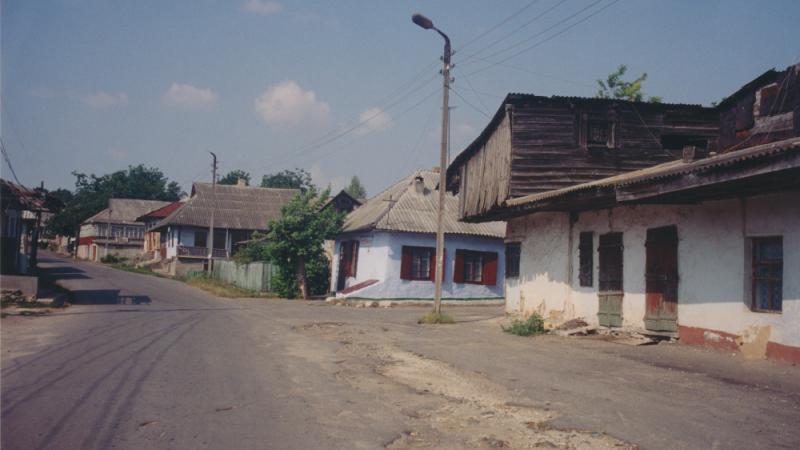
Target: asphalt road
{"x":142,"y":362}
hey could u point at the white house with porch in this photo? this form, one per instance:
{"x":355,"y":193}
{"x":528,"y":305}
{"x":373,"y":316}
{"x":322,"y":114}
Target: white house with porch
{"x":237,"y":212}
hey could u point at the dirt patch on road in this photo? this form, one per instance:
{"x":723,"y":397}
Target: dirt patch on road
{"x":446,"y":407}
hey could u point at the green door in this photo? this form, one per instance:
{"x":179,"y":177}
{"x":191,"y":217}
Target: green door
{"x":610,"y":293}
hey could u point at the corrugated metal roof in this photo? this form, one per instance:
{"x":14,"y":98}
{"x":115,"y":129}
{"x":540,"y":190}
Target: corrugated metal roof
{"x":234,"y":207}
{"x":666,"y":170}
{"x":125,"y":210}
{"x":402,"y":208}
{"x":160,"y":213}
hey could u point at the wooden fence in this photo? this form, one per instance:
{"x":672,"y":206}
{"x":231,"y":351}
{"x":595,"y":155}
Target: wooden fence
{"x":254,"y":276}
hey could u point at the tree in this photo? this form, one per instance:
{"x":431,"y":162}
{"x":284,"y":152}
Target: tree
{"x":92,"y":193}
{"x":615,"y":87}
{"x":234,"y":176}
{"x":294,"y":244}
{"x":292,"y":179}
{"x":356,"y":189}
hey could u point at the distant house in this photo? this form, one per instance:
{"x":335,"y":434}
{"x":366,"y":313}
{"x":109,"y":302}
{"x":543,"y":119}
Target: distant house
{"x":116,"y":230}
{"x":237,"y":212}
{"x":21,"y":211}
{"x":342,"y":202}
{"x":387,"y":248}
{"x":702,"y":248}
{"x":154,"y":241}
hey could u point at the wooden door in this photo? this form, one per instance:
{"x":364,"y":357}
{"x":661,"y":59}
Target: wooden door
{"x":661,"y":279}
{"x":610,"y":292}
{"x":348,"y":263}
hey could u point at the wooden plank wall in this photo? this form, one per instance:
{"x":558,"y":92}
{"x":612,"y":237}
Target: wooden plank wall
{"x":547,"y":154}
{"x":485,"y":176}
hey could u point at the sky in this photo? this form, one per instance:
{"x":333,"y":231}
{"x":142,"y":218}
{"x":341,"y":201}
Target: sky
{"x":337,"y":88}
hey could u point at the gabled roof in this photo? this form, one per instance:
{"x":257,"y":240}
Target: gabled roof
{"x":341,"y":194}
{"x":234,"y":207}
{"x":24,"y":198}
{"x":402,"y":208}
{"x":159,"y":213}
{"x":125,"y":211}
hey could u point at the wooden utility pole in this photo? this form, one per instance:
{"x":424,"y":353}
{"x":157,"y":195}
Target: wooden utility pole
{"x":213,"y":207}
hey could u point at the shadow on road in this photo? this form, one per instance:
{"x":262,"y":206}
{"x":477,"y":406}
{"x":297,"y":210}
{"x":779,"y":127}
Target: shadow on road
{"x":107,"y":297}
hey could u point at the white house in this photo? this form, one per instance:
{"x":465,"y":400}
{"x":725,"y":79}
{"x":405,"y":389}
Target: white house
{"x":387,"y":248}
{"x":237,"y":212}
{"x":703,"y":248}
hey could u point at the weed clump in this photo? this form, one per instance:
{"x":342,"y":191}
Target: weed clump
{"x":530,"y":326}
{"x":432,"y":317}
{"x":113,"y":259}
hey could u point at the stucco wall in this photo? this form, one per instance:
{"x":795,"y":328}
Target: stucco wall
{"x":379,"y":258}
{"x":713,"y":263}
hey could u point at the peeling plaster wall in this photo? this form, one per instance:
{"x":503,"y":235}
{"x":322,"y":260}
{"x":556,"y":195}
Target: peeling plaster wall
{"x":379,"y":257}
{"x":713,"y":263}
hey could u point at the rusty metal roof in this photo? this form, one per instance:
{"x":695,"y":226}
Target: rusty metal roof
{"x":233,"y":207}
{"x":125,"y":211}
{"x":402,"y":208}
{"x":666,"y":170}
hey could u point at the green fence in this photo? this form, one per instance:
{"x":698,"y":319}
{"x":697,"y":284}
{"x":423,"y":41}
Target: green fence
{"x":254,"y":276}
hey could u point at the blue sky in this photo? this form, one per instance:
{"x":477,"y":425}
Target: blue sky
{"x":96,"y":86}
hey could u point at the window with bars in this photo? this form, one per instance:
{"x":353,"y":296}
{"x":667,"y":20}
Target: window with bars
{"x":767,"y":274}
{"x":586,"y":259}
{"x":513,"y":253}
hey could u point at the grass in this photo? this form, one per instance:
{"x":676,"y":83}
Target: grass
{"x":142,"y":270}
{"x":432,"y":317}
{"x":530,"y":326}
{"x":220,"y":288}
{"x":17,"y":300}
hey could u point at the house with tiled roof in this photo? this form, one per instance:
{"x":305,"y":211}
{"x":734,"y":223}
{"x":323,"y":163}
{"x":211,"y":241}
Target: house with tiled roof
{"x":386,"y":250}
{"x":234,"y":212}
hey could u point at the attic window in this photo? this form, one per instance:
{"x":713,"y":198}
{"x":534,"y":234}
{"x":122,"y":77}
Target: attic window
{"x":597,"y":133}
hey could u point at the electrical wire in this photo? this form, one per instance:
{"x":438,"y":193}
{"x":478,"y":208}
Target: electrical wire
{"x":8,"y":161}
{"x":468,"y":103}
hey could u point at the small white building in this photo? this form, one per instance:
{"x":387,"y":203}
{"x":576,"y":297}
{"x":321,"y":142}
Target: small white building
{"x":386,"y":250}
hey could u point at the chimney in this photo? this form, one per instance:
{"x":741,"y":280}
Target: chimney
{"x":419,"y":184}
{"x":689,"y":152}
{"x":241,"y":182}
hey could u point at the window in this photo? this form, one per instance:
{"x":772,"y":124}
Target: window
{"x":597,"y":133}
{"x":586,"y":259}
{"x":513,"y":251}
{"x":610,"y":256}
{"x":476,"y":267}
{"x":117,"y":230}
{"x":201,"y":238}
{"x":767,"y":275}
{"x":417,"y":263}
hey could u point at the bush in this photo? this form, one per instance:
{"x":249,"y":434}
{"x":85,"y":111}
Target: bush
{"x":113,"y":259}
{"x":432,"y":317}
{"x":532,"y":325}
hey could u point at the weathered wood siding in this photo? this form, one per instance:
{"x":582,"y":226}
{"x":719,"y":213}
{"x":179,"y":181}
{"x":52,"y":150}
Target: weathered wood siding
{"x":484,"y":177}
{"x":549,"y":152}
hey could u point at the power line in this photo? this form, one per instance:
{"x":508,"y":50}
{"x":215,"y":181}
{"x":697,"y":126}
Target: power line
{"x":468,"y":103}
{"x":498,"y":25}
{"x":8,"y":160}
{"x":512,"y":32}
{"x":551,"y":37}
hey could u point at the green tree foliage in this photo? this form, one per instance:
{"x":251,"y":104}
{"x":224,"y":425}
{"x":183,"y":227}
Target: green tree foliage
{"x":356,"y":189}
{"x":234,"y":176}
{"x":294,"y":245}
{"x":293,"y":179}
{"x":615,"y":87}
{"x":92,"y":193}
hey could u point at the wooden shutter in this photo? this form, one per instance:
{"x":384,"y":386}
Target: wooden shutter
{"x":586,"y":259}
{"x":405,"y":264}
{"x":354,"y":267}
{"x":458,"y":271}
{"x":489,"y":268}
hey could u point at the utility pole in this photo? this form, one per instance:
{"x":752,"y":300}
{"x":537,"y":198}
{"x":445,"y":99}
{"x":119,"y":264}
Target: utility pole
{"x":37,"y":230}
{"x":108,"y":228}
{"x":427,"y":24}
{"x":213,"y":207}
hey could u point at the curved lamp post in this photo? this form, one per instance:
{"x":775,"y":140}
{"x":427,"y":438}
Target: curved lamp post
{"x":427,"y":24}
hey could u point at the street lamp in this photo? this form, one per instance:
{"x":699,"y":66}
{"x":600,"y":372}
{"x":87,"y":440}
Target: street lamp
{"x":427,"y":24}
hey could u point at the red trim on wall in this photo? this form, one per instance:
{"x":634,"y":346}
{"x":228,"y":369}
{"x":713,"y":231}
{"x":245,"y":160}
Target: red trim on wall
{"x":783,"y":352}
{"x":720,"y":340}
{"x":86,"y":240}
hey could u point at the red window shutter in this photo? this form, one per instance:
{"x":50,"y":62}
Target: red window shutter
{"x":490,"y":268}
{"x":405,"y":264}
{"x":458,"y":271}
{"x":355,"y":259}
